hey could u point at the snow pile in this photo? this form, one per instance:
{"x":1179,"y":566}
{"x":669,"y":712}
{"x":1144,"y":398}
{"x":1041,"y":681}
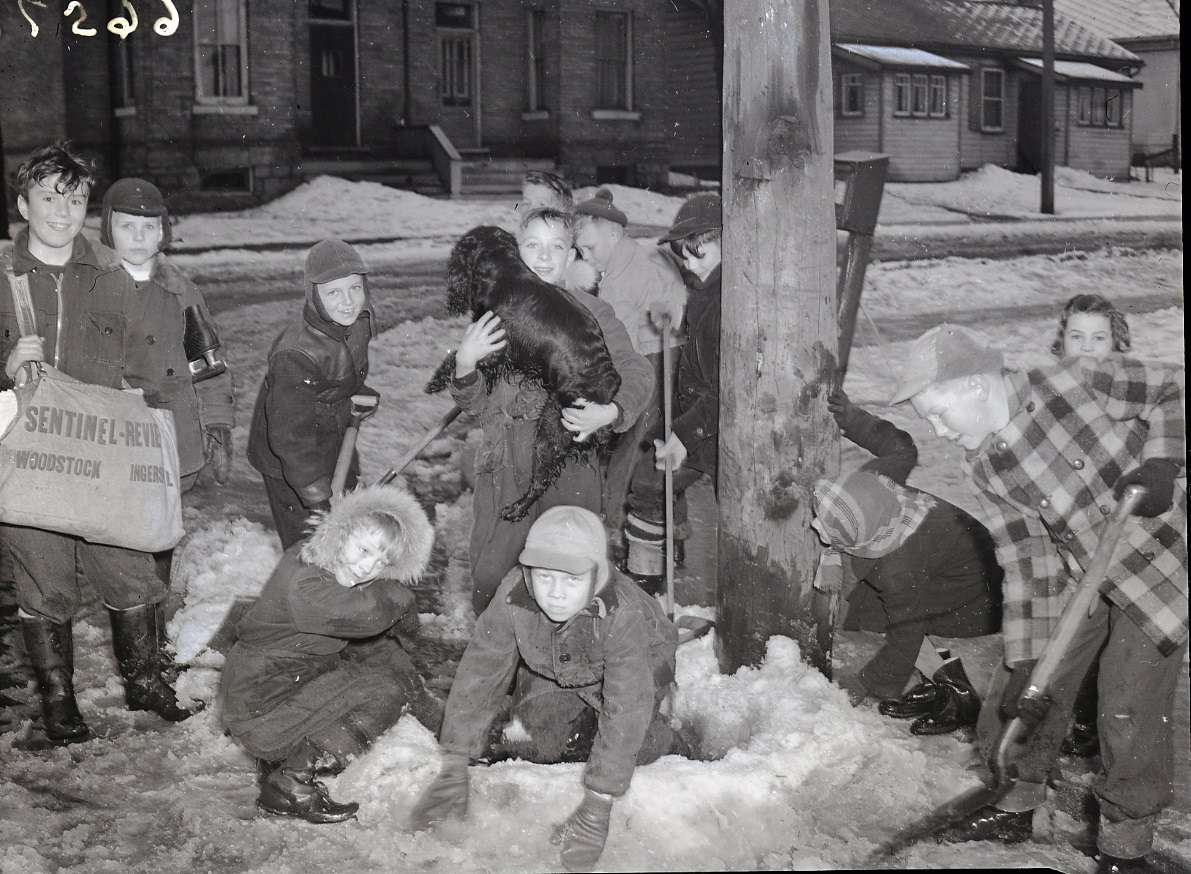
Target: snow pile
{"x":221,"y":562}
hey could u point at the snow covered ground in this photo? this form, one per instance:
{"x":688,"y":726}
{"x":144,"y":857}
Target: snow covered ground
{"x":792,"y":775}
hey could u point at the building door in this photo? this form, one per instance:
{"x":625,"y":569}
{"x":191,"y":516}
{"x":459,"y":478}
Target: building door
{"x":333,"y":97}
{"x":457,"y":35}
{"x":1029,"y":125}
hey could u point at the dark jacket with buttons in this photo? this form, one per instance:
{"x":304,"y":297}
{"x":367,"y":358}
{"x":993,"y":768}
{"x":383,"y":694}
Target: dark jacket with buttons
{"x":697,"y":399}
{"x":155,"y":358}
{"x":618,"y":655}
{"x":79,"y":309}
{"x":304,"y":404}
{"x":1046,"y":483}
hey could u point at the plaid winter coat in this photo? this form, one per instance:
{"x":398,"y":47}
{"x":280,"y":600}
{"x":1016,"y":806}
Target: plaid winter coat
{"x":1046,"y":484}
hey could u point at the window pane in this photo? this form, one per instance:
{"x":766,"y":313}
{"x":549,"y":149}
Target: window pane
{"x":456,"y":15}
{"x":938,"y":95}
{"x":1112,"y":107}
{"x":331,"y":10}
{"x":1098,"y":106}
{"x":537,"y":49}
{"x":919,"y":95}
{"x":612,"y":52}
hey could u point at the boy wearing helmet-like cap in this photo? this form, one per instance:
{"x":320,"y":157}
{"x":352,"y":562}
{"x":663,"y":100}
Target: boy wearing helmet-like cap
{"x":304,"y":406}
{"x":593,"y":658}
{"x":135,"y":222}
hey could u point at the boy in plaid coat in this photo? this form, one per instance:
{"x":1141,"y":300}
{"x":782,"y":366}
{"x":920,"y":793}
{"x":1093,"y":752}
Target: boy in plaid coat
{"x":1050,"y":451}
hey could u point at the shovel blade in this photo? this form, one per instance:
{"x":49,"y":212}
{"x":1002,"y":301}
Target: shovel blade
{"x":952,"y":811}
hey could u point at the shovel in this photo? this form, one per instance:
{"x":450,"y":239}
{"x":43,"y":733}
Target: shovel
{"x":425,"y":440}
{"x":362,"y":407}
{"x":1035,"y":697}
{"x":689,"y":627}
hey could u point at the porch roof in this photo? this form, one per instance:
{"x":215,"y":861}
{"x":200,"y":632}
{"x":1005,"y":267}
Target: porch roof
{"x":1078,"y":70}
{"x":898,"y":56}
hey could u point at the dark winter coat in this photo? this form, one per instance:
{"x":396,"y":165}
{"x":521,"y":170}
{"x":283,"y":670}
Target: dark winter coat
{"x":1046,"y":483}
{"x":944,"y":579}
{"x":284,"y":677}
{"x":155,"y":359}
{"x":618,"y":654}
{"x":304,"y":404}
{"x":697,"y":398}
{"x":79,"y":310}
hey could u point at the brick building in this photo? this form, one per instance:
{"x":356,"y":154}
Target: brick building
{"x":245,"y":98}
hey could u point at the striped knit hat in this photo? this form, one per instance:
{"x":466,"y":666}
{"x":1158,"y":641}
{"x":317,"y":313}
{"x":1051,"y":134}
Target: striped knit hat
{"x":868,"y":515}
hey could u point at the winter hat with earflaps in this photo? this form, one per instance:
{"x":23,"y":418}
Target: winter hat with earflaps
{"x":568,"y":539}
{"x":869,"y":515}
{"x":600,"y":205}
{"x":699,"y":213}
{"x":331,"y":530}
{"x":133,"y":196}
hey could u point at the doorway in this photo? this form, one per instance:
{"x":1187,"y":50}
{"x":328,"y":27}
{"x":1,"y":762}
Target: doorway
{"x":333,"y":85}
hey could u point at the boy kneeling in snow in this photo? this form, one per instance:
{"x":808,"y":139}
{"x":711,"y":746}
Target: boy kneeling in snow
{"x":318,"y":670}
{"x":590,"y":650}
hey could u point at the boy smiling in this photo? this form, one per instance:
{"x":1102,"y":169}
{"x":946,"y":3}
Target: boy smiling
{"x":1050,"y":451}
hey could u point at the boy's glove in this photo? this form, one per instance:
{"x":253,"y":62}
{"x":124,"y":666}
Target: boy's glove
{"x":217,"y":451}
{"x":1010,"y":704}
{"x":840,"y":406}
{"x":26,"y":350}
{"x":1157,"y":476}
{"x":445,"y":797}
{"x":660,"y":310}
{"x":583,"y":834}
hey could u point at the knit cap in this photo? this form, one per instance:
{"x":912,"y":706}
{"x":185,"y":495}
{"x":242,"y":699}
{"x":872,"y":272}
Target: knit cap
{"x":133,"y":196}
{"x":600,"y":206}
{"x":853,"y":510}
{"x":698,"y":213}
{"x":332,"y":259}
{"x":568,"y":539}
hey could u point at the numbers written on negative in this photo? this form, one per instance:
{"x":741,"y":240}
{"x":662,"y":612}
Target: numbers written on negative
{"x":121,"y":25}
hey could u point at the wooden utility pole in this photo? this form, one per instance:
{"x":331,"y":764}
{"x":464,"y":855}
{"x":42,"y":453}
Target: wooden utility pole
{"x":1048,"y":107}
{"x":778,"y":335}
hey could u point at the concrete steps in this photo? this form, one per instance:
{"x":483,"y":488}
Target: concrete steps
{"x":405,"y":173}
{"x":499,"y":176}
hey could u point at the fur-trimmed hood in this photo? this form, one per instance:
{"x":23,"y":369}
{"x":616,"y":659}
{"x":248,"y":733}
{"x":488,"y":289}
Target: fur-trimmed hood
{"x":332,"y":528}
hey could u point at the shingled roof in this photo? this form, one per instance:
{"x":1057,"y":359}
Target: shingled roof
{"x":1125,"y":19}
{"x":969,"y":25}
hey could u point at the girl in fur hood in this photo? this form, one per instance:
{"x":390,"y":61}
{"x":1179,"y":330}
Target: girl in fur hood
{"x":319,"y":669}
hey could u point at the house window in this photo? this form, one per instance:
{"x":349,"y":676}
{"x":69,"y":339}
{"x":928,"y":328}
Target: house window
{"x":851,"y":89}
{"x":614,"y":73}
{"x":1097,"y":107}
{"x":124,"y":95}
{"x":331,"y":10}
{"x":1083,"y":111}
{"x":456,"y":52}
{"x":918,"y":94}
{"x":992,"y":100}
{"x":221,"y":53}
{"x":938,"y":96}
{"x":1112,"y":107}
{"x":901,"y":94}
{"x":537,"y":60}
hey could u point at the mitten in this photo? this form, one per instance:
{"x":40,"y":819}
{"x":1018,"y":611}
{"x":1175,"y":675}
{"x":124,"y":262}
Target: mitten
{"x":583,"y":834}
{"x":317,"y":495}
{"x":445,"y":797}
{"x":1156,"y":476}
{"x":840,"y":406}
{"x":217,"y":451}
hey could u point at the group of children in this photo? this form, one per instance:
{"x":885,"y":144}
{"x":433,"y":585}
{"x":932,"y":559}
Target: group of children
{"x":321,"y":665}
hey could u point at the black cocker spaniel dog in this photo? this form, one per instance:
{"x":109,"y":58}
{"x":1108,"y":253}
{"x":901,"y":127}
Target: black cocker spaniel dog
{"x":552,"y":339}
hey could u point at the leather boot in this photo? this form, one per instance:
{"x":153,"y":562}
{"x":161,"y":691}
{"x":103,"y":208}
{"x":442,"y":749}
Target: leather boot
{"x":960,"y":707}
{"x":50,"y":646}
{"x":924,"y":698}
{"x":290,"y":789}
{"x":990,"y":824}
{"x":138,"y":637}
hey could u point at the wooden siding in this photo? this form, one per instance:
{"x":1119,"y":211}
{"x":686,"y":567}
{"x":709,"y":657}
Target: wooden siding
{"x":1157,"y":107}
{"x":1102,"y":151}
{"x":923,"y":149}
{"x":858,"y":132}
{"x":977,"y":147}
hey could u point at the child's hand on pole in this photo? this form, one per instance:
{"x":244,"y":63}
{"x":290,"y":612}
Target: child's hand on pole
{"x":671,"y":450}
{"x":28,"y":350}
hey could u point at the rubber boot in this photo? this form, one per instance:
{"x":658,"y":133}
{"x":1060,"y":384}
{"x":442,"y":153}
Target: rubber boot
{"x":138,"y":635}
{"x":289,"y":788}
{"x":960,"y":707}
{"x":925,"y":698}
{"x":50,"y":646}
